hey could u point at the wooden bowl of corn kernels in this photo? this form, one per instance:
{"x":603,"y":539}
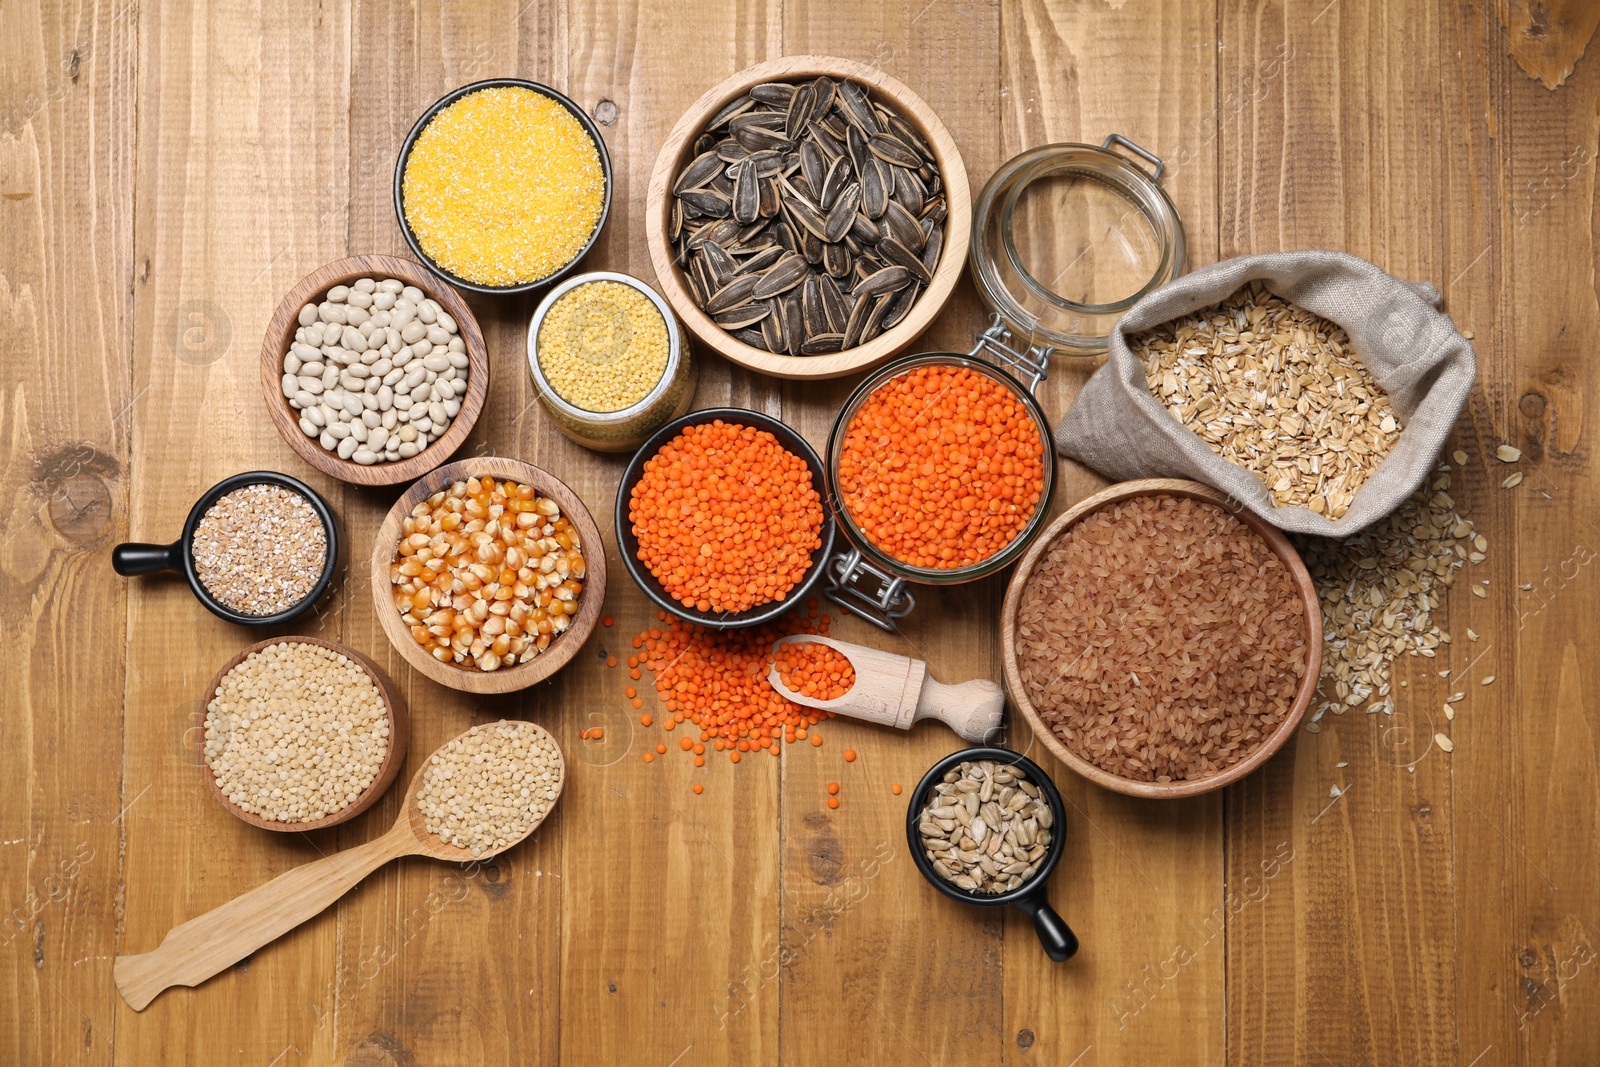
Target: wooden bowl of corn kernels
{"x":502,"y":603}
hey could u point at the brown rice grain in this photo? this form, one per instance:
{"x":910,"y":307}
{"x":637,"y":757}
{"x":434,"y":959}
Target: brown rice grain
{"x":1161,"y":639}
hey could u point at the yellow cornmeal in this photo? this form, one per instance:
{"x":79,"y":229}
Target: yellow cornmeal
{"x":503,"y":187}
{"x":603,"y":346}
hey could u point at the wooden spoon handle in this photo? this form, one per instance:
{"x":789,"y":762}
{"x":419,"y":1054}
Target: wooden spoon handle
{"x":204,"y":946}
{"x":972,"y":709}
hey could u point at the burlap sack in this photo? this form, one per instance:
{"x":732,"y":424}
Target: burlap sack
{"x":1120,"y":429}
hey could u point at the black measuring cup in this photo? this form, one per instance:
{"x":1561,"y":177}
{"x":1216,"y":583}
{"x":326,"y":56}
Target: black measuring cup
{"x":134,"y":558}
{"x":1059,"y":942}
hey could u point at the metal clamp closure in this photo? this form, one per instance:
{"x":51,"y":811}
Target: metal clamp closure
{"x":889,"y":601}
{"x":1145,"y":154}
{"x":1031,"y":364}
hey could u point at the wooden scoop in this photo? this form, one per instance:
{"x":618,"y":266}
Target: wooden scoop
{"x":897,"y":691}
{"x":215,"y":941}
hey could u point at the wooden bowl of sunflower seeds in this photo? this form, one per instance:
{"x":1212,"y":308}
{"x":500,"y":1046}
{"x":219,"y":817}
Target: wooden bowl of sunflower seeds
{"x":808,"y":217}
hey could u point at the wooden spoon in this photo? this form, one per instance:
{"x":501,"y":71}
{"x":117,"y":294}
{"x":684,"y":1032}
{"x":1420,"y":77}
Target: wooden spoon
{"x":205,"y":946}
{"x":897,"y":691}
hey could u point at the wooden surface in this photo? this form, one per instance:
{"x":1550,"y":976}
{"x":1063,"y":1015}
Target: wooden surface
{"x":279,"y":335}
{"x":1028,"y":715}
{"x":168,"y":171}
{"x":677,"y":150}
{"x":204,"y":946}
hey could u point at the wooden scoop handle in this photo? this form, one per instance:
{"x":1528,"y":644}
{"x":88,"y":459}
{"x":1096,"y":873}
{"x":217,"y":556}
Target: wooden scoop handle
{"x":215,"y":941}
{"x":972,"y":709}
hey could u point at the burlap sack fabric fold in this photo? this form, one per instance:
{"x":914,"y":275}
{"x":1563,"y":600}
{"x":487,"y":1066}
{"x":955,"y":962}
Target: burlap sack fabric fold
{"x":1119,"y":428}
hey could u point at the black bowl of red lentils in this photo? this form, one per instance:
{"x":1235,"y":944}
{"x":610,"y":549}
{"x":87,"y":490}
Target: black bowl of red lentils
{"x":720,"y":518}
{"x":502,"y":186}
{"x":258,"y":549}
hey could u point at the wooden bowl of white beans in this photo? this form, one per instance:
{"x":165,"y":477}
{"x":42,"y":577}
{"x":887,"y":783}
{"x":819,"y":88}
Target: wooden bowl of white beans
{"x":320,"y":395}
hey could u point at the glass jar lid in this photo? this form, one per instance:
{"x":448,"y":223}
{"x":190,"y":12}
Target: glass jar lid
{"x":1067,"y":237}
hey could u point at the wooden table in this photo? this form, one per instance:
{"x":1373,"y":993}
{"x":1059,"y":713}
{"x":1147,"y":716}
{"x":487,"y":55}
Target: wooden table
{"x":169,"y":170}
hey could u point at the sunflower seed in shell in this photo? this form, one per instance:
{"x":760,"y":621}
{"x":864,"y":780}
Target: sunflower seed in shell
{"x":761,"y":260}
{"x":833,"y":303}
{"x":874,"y":324}
{"x":886,"y":280}
{"x":842,"y":214}
{"x":772,"y":329}
{"x":742,"y":316}
{"x":783,"y":188}
{"x":747,"y":194}
{"x":903,"y":226}
{"x":833,"y":183}
{"x":898,"y":254}
{"x":756,"y":138}
{"x":707,"y":202}
{"x":702,"y":169}
{"x":836,"y":260}
{"x":772,"y":93}
{"x":729,"y":110}
{"x":893,"y":150}
{"x":874,"y":188}
{"x":736,"y":292}
{"x":794,"y":327}
{"x":857,"y":108}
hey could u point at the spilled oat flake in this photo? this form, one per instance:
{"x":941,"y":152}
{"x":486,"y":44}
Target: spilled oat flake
{"x":1380,"y":592}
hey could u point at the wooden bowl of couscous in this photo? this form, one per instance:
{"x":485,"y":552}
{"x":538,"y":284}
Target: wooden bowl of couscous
{"x":502,"y":185}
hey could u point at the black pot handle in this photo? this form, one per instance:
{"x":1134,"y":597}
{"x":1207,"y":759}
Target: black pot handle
{"x":133,"y":558}
{"x":1059,"y":942}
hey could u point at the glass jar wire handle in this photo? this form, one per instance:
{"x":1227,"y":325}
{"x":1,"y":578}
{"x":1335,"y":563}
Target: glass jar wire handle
{"x":1144,"y":154}
{"x":890,"y":602}
{"x":1031,"y":364}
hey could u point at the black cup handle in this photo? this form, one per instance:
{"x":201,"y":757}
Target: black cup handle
{"x":133,"y":558}
{"x":1059,"y":942}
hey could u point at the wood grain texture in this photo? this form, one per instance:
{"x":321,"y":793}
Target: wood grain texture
{"x":677,"y":149}
{"x":280,"y":335}
{"x":169,"y":171}
{"x":66,"y":431}
{"x":206,"y":945}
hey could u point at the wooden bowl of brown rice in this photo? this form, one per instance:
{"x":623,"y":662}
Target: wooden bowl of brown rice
{"x":1160,"y":640}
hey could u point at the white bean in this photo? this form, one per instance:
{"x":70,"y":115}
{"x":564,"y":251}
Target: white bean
{"x":308,"y":315}
{"x":318,"y":419}
{"x":330,"y":312}
{"x":339,"y":430}
{"x":436,"y":363}
{"x":408,"y":449}
{"x":328,"y":441}
{"x":391,"y":285}
{"x":359,"y":299}
{"x":308,"y":427}
{"x":365,"y":457}
{"x":383,"y":301}
{"x":348,"y":446}
{"x":458,"y":360}
{"x":377,"y":437}
{"x":428,"y":312}
{"x":338,"y":294}
{"x":413,"y":294}
{"x":391,"y":418}
{"x":291,"y":385}
{"x":385,"y":397}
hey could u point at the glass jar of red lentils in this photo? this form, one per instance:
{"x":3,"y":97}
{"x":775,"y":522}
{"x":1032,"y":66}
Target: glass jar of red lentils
{"x":941,"y":465}
{"x":940,"y":470}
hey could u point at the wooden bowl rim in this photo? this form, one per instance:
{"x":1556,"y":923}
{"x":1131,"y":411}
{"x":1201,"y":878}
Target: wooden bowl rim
{"x":958,"y":220}
{"x":563,"y":648}
{"x":280,"y":332}
{"x":399,"y":738}
{"x":1271,"y":534}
